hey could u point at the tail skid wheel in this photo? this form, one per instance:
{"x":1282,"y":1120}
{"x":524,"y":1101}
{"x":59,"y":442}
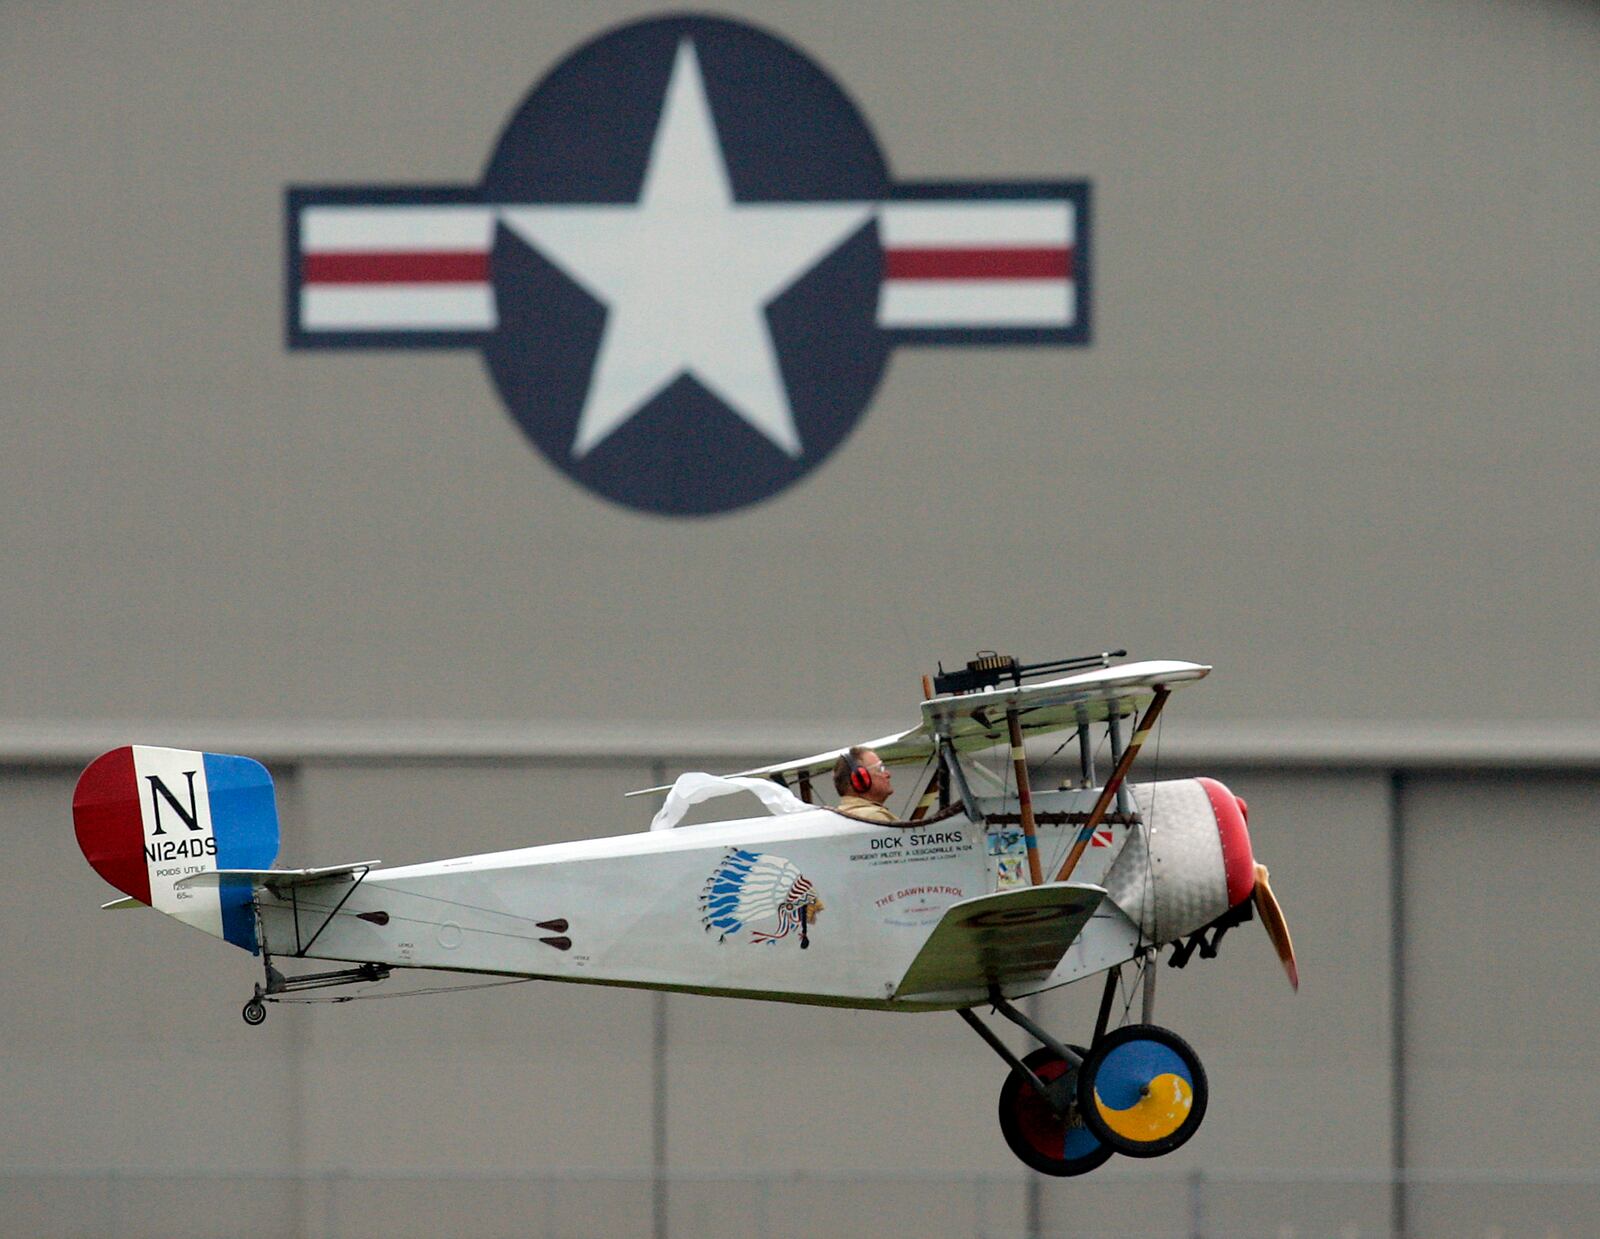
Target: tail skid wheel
{"x":1050,"y":1143}
{"x":1142,"y":1091}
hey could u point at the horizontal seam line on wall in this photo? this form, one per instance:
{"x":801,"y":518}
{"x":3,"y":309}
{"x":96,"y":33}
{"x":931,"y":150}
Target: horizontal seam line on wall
{"x":1325,"y":744}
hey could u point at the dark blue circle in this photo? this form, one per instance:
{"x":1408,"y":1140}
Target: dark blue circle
{"x":787,"y":134}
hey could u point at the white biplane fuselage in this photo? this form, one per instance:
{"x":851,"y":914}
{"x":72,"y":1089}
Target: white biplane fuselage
{"x":632,"y":909}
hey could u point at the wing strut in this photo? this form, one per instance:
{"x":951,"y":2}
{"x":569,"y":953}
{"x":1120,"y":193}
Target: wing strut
{"x":1019,"y":763}
{"x":1109,"y":791}
{"x":958,"y":776}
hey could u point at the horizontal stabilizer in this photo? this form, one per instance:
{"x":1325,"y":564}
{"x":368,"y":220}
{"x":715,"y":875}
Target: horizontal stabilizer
{"x":1013,"y":937}
{"x":277,"y":880}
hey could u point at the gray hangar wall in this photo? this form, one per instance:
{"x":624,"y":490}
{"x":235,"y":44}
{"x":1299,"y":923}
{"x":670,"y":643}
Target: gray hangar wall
{"x":1329,"y":425}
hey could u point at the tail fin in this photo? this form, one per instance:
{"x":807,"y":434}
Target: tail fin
{"x":146,"y":817}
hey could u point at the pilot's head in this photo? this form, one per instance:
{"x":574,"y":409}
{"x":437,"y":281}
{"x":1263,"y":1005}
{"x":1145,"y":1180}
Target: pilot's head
{"x":860,"y":773}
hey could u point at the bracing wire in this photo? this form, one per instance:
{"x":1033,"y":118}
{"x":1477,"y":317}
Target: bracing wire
{"x":922,"y":783}
{"x":1065,"y":838}
{"x":1149,"y":849}
{"x":1128,"y":989}
{"x":406,"y":993}
{"x":1071,"y":736}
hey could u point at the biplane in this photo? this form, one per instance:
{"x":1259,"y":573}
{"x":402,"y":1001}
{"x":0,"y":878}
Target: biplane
{"x":988,"y":890}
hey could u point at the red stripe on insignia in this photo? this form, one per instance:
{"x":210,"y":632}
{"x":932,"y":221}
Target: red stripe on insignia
{"x":448,"y":267}
{"x":978,"y":264}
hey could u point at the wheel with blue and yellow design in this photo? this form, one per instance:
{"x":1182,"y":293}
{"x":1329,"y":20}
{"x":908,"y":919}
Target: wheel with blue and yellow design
{"x":1142,"y":1091}
{"x":1051,"y":1143}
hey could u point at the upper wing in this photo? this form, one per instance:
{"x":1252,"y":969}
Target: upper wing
{"x":978,"y":720}
{"x":1010,"y":937}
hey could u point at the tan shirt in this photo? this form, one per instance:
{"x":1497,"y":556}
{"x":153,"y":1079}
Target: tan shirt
{"x":866,"y":810}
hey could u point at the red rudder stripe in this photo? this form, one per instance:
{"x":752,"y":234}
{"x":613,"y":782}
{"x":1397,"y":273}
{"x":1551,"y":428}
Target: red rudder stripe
{"x":105,"y":814}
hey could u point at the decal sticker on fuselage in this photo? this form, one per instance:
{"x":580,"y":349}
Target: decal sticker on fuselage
{"x":917,"y":905}
{"x":757,"y":897}
{"x":1009,"y":852}
{"x":897,"y":848}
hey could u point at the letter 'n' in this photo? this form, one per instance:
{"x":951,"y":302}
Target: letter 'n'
{"x":190,"y":816}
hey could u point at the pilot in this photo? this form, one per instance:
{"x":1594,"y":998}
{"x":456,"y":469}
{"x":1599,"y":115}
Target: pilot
{"x":863,"y":784}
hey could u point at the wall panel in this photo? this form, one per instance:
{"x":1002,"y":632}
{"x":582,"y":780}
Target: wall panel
{"x":122,"y":1041}
{"x":1501,"y":977}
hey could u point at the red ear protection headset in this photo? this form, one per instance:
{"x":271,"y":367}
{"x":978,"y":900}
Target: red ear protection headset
{"x":860,"y":776}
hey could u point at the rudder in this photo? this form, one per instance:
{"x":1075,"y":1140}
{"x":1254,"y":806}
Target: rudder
{"x":146,"y":817}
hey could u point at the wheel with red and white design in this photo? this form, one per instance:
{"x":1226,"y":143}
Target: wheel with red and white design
{"x":1048,"y":1133}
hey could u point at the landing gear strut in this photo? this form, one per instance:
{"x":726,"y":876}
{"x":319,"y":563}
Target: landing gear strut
{"x":1139,"y":1091}
{"x":255,"y":1011}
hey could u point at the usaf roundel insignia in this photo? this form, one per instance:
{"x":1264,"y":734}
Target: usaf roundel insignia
{"x":686,"y":264}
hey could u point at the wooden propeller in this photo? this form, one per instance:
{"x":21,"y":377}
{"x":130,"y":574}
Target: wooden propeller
{"x":1277,"y":928}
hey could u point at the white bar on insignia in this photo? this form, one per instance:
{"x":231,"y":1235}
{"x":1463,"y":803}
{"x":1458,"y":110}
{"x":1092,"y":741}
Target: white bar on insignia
{"x":410,"y":307}
{"x":976,"y":223}
{"x":413,"y":229}
{"x":976,"y":303}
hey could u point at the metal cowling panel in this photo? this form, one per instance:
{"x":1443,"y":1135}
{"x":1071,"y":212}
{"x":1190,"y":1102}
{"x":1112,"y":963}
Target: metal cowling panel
{"x":1170,"y":878}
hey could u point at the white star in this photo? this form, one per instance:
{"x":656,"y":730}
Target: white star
{"x":686,"y":274}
